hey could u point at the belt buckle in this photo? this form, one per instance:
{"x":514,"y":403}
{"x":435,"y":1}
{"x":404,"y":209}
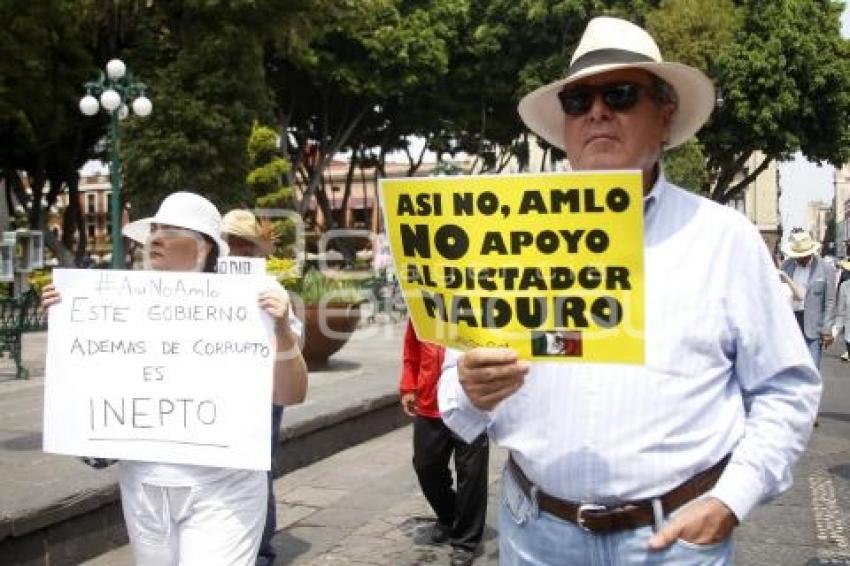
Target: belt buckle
{"x":584,"y":507}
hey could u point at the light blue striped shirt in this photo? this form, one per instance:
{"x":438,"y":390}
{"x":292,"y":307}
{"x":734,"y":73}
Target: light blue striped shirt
{"x":726,"y":371}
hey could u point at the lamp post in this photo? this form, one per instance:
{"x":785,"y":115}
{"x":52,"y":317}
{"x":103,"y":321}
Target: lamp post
{"x":115,"y":89}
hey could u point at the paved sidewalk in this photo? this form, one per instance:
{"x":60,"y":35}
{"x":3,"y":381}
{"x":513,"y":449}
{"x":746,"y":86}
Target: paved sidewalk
{"x":363,"y":505}
{"x":55,"y":510}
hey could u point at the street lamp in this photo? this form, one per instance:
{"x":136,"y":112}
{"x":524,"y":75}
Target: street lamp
{"x":113,"y":91}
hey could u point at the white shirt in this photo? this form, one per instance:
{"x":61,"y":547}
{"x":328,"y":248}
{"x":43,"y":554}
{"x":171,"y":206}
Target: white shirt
{"x":726,"y":371}
{"x":801,"y":278}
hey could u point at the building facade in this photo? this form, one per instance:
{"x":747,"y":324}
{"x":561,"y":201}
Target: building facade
{"x":760,"y":201}
{"x":95,"y":201}
{"x":841,"y":182}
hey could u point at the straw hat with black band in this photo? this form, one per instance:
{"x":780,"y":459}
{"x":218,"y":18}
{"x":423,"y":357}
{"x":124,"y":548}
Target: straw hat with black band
{"x":800,"y":244}
{"x":610,"y":44}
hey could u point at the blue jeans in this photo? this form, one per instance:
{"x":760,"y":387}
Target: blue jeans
{"x":266,"y":555}
{"x":529,"y":538}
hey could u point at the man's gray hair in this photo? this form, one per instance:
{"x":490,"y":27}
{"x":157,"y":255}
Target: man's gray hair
{"x":663,"y":92}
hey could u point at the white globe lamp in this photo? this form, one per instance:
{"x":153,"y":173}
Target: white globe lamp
{"x":142,"y":106}
{"x":89,"y":105}
{"x":115,"y":69}
{"x":110,"y":100}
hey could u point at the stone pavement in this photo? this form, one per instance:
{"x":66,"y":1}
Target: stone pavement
{"x":363,"y":505}
{"x":55,"y":510}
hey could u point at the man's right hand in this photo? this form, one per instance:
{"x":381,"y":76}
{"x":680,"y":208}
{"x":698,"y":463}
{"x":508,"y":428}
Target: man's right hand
{"x":489,"y":375}
{"x":408,"y":404}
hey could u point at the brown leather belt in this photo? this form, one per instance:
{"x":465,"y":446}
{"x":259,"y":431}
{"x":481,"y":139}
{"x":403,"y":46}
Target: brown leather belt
{"x":602,"y":519}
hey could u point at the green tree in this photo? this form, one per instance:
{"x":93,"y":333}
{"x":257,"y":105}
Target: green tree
{"x":45,"y":56}
{"x":783,"y":74}
{"x":333,"y":90}
{"x":685,"y":166}
{"x":267,"y":179}
{"x":203,"y":63}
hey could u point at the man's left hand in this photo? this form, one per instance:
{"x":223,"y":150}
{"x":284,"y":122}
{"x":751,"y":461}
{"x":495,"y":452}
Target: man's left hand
{"x":706,"y":521}
{"x":826,"y":340}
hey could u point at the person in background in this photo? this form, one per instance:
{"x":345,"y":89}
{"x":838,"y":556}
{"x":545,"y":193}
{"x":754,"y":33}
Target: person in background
{"x":654,"y":463}
{"x":843,"y":270}
{"x":842,"y":314}
{"x":190,"y":515}
{"x":794,"y":292}
{"x":460,"y":514}
{"x":843,"y":275}
{"x":815,"y":312}
{"x":249,"y":238}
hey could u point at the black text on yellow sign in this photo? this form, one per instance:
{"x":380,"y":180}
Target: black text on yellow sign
{"x":550,"y":265}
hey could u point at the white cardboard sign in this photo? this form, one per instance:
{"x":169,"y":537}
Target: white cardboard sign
{"x":159,"y":366}
{"x":234,"y":265}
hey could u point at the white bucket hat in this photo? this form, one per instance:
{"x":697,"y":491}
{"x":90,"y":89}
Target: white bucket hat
{"x":800,"y":244}
{"x":182,"y":210}
{"x":609,"y":44}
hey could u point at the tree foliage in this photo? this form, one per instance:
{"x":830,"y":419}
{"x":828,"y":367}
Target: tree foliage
{"x":45,"y":56}
{"x":365,"y":77}
{"x":344,"y":87}
{"x":783,"y":75}
{"x":203,"y":63}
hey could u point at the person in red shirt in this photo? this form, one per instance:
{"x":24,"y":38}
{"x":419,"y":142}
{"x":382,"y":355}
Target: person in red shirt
{"x":460,"y":514}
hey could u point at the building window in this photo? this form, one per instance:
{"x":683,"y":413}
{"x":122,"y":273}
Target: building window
{"x":91,"y":204}
{"x":90,"y":230}
{"x":108,"y":203}
{"x":361,"y":217}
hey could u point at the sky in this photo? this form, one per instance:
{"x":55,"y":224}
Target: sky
{"x":802,"y":181}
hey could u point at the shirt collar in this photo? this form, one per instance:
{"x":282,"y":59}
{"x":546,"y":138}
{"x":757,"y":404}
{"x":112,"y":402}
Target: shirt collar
{"x":655,"y":197}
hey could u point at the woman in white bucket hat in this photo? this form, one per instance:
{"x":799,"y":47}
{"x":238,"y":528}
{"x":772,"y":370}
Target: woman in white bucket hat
{"x":179,"y":514}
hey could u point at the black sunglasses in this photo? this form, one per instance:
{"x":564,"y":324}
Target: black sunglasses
{"x":619,"y":97}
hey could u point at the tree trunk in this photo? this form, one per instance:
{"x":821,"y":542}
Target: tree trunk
{"x":730,"y":193}
{"x":72,"y":223}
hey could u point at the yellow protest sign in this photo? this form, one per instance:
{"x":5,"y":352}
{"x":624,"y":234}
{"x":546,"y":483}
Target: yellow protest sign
{"x":550,"y":265}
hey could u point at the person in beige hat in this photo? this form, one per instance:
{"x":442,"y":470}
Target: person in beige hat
{"x":652,"y":464}
{"x":248,"y":237}
{"x":815,"y":312}
{"x":842,"y":308}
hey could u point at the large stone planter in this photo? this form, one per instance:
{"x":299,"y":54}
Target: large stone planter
{"x":326,"y":330}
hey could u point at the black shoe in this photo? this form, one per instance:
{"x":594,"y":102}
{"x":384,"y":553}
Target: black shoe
{"x":440,"y":533}
{"x":462,"y":557}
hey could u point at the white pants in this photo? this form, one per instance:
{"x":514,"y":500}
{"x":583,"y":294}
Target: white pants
{"x":219,"y":523}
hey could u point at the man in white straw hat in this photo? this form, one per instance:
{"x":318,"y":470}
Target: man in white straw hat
{"x":815,"y":313}
{"x":652,"y":464}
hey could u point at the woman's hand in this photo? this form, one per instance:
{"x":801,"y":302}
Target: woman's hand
{"x":275,"y":301}
{"x":290,"y":370}
{"x":50,"y":296}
